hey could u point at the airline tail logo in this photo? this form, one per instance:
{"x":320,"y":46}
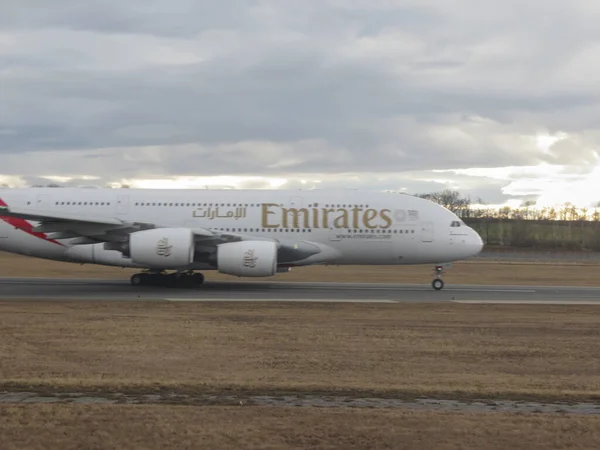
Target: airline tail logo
{"x":163,"y":248}
{"x":23,"y":225}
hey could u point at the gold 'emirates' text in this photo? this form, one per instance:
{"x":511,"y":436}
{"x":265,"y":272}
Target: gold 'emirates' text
{"x":275,"y":216}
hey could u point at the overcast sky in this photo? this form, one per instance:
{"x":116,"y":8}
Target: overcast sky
{"x":499,"y":100}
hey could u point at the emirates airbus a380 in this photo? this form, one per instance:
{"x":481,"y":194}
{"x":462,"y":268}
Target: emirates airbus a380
{"x":171,"y":234}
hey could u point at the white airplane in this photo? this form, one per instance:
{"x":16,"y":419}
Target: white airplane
{"x":246,"y":233}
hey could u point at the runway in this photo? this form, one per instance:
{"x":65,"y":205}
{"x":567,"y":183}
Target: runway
{"x":117,"y":290}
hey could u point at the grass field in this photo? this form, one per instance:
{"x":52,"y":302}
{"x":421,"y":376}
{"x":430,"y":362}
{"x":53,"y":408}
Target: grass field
{"x":545,"y":353}
{"x":548,"y":234}
{"x":469,"y":272}
{"x":176,"y":427}
{"x":403,"y":350}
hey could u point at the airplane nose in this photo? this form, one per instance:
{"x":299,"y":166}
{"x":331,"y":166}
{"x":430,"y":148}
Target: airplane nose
{"x":475,"y":242}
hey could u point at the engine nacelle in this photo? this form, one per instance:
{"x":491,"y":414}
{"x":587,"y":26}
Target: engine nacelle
{"x":162,"y":248}
{"x":248,"y":258}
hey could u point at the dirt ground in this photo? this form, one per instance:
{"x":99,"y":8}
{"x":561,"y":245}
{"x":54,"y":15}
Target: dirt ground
{"x":468,"y":272}
{"x":50,"y":427}
{"x":542,"y":352}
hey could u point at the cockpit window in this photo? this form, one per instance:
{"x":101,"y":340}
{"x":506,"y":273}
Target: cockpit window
{"x":455,"y":224}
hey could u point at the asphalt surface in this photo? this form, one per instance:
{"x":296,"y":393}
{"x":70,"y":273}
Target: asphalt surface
{"x":92,"y":289}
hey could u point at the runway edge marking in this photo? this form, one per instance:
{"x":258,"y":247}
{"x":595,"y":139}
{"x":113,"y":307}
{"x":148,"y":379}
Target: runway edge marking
{"x":299,"y":300}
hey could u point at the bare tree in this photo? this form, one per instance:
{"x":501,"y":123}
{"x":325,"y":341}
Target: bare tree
{"x":450,"y":199}
{"x":50,"y":185}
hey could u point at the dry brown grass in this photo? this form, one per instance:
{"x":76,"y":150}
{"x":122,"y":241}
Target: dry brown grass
{"x":545,"y":352}
{"x":479,"y":272}
{"x":152,"y":427}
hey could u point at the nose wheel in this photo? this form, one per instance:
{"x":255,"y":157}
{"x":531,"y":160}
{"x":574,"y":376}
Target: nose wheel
{"x":438,"y":283}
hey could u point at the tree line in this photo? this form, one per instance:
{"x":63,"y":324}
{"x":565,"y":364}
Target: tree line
{"x":463,"y":207}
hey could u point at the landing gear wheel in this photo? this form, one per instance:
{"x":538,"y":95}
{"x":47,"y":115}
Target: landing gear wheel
{"x":154,"y":279}
{"x":437,"y":284}
{"x":171,"y":280}
{"x":198,"y":278}
{"x":140,"y":279}
{"x":180,"y":280}
{"x":185,"y":280}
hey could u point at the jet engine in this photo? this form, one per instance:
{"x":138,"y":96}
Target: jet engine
{"x":162,"y":248}
{"x":248,"y":258}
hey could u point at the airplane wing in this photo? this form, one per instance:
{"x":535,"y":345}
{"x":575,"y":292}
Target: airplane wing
{"x":83,"y":229}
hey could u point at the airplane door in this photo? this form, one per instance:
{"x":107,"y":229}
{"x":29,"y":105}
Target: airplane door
{"x":122,"y":204}
{"x":427,"y":232}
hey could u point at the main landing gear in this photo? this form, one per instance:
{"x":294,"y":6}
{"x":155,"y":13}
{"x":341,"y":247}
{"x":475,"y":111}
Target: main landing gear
{"x":175,"y":280}
{"x":438,"y":283}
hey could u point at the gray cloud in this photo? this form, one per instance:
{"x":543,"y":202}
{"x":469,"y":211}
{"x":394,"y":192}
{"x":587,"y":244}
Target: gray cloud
{"x":145,"y":89}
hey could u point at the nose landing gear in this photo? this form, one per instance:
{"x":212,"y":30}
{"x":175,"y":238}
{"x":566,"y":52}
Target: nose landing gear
{"x":438,"y":283}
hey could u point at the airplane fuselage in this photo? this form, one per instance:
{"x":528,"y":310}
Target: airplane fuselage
{"x":358,"y":227}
